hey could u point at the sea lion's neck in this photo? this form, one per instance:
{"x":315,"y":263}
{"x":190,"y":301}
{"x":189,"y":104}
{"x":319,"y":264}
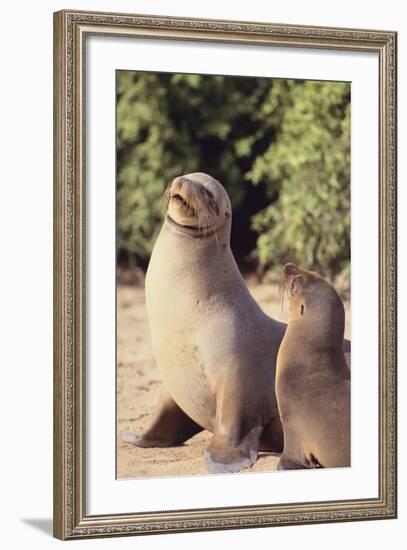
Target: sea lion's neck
{"x":194,"y":268}
{"x":312,"y":337}
{"x":210,"y":259}
{"x":189,"y":249}
{"x":189,"y":279}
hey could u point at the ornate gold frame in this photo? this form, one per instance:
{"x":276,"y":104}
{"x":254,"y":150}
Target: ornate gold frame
{"x":70,"y":31}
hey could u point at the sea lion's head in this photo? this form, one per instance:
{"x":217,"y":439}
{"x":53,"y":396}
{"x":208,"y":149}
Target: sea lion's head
{"x":311,"y":298}
{"x":197,"y":205}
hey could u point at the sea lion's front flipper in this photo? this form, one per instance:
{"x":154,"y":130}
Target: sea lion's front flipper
{"x":272,"y":439}
{"x":347,"y":351}
{"x":237,"y":433}
{"x":170,"y":426}
{"x":226,"y":456}
{"x":293,"y":456}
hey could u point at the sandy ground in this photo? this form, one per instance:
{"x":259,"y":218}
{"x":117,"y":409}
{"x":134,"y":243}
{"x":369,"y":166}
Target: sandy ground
{"x":138,"y":388}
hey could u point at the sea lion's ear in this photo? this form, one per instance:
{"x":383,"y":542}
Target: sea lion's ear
{"x":297,"y":285}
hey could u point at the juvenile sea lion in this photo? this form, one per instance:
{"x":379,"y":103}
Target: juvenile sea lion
{"x":215,"y":347}
{"x":313,"y":378}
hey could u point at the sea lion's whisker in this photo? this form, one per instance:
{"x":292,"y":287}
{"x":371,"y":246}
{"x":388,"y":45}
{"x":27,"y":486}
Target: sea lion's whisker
{"x":197,"y":211}
{"x":209,"y":220}
{"x":217,"y":242}
{"x":210,"y":224}
{"x":205,"y":217}
{"x":204,"y":221}
{"x":205,"y":224}
{"x":282,"y":290}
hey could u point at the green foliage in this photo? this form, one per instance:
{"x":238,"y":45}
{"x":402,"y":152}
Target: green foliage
{"x":280,"y":147}
{"x":310,"y":163}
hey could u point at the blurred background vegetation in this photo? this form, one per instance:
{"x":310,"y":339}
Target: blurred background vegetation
{"x":281,"y":148}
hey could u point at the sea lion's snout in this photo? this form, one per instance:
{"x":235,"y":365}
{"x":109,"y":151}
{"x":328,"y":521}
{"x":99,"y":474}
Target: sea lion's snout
{"x":193,"y":205}
{"x":181,"y":195}
{"x":180,"y":200}
{"x":180,"y":189}
{"x":179,"y":184}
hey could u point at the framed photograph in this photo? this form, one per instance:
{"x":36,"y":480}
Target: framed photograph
{"x":224,"y":274}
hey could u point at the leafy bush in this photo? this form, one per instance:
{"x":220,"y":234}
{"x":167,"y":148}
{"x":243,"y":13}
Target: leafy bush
{"x":309,"y":162}
{"x":280,"y":147}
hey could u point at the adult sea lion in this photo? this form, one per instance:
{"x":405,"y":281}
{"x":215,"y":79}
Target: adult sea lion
{"x":313,"y":378}
{"x":215,"y":347}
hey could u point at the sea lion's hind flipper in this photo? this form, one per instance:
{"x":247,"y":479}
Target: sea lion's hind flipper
{"x":170,"y":426}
